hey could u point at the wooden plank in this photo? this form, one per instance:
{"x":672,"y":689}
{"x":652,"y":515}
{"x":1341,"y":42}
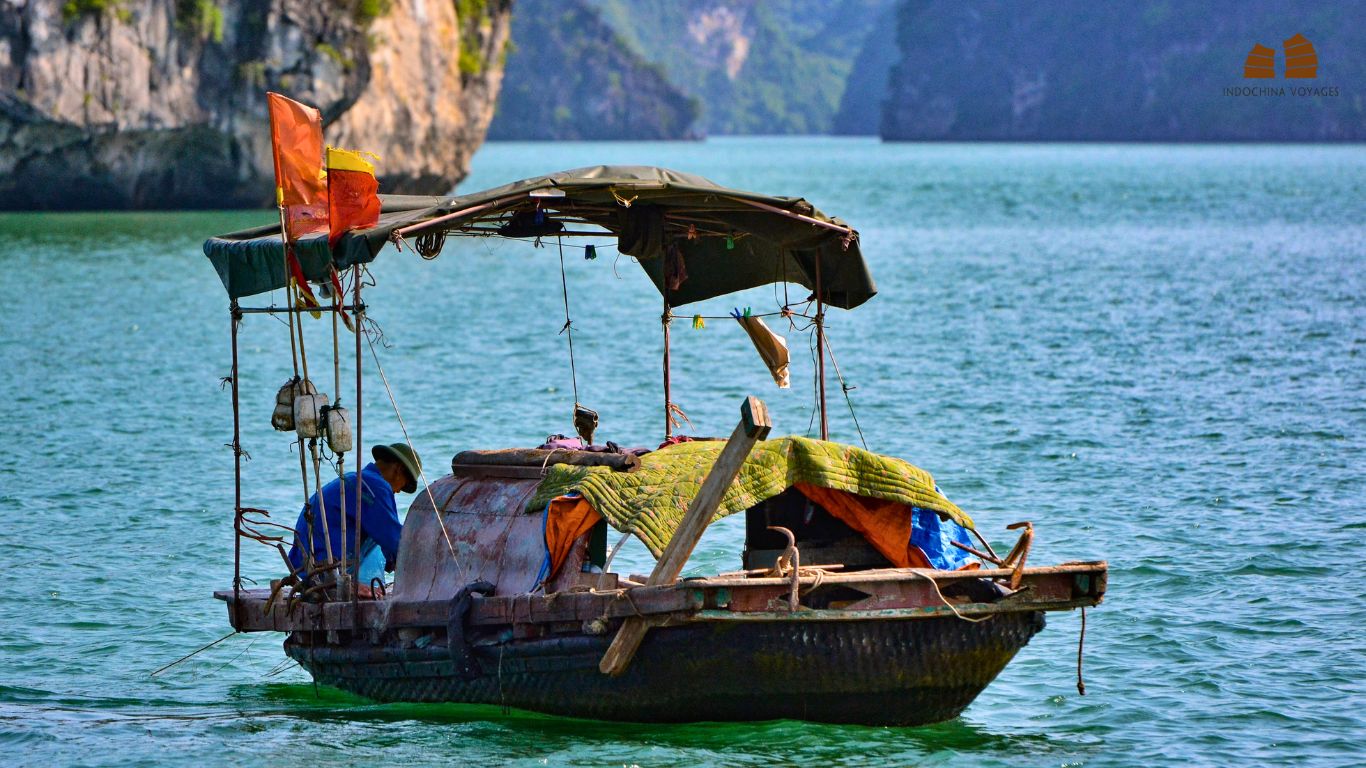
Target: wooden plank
{"x":1045,"y":588}
{"x":754,"y":426}
{"x":540,"y":458}
{"x":492,"y":470}
{"x":582,"y":606}
{"x":900,"y":574}
{"x":484,"y":611}
{"x":925,"y":612}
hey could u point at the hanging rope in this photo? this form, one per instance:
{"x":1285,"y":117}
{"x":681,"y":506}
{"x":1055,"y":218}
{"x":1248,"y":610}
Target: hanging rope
{"x":427,"y":488}
{"x":429,"y":246}
{"x":844,"y":387}
{"x":568,"y":328}
{"x":1081,"y":640}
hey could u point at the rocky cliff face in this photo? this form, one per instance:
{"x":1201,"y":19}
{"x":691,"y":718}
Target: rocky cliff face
{"x":571,"y":77}
{"x":1078,"y":70}
{"x":435,"y":75}
{"x":161,"y":103}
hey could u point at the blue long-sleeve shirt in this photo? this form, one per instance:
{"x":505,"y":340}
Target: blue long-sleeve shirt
{"x":378,"y":519}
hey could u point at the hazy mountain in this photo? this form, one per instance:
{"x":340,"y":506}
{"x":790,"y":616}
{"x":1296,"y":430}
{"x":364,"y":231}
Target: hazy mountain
{"x":860,"y":111}
{"x":571,"y":77}
{"x":1074,"y":70}
{"x":758,"y":66}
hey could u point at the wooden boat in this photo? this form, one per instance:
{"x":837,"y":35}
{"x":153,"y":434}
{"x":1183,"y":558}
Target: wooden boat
{"x":821,"y":620}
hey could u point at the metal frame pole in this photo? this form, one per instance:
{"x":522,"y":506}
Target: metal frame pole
{"x":236,"y":316}
{"x":668,"y":417}
{"x":341,"y":457}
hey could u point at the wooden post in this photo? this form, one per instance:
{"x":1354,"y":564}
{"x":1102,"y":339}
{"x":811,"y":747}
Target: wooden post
{"x":357,"y":317}
{"x":754,"y":426}
{"x":236,"y":317}
{"x":820,"y":347}
{"x":664,"y":320}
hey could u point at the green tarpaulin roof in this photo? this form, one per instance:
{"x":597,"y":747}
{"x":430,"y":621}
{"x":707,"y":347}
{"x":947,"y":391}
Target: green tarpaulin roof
{"x":727,"y":239}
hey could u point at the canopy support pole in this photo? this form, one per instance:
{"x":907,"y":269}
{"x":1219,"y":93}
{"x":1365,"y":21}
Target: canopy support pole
{"x":341,"y":457}
{"x":664,"y":320}
{"x":236,"y":317}
{"x":360,"y":412}
{"x":289,"y":299}
{"x":820,"y":348}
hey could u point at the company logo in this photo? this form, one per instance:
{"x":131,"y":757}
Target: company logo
{"x":1301,"y":61}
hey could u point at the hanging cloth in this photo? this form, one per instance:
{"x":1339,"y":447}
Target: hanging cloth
{"x":772,"y":347}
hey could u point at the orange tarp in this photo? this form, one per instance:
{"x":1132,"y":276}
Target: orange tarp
{"x":296,"y":136}
{"x":885,"y":524}
{"x":569,"y":518}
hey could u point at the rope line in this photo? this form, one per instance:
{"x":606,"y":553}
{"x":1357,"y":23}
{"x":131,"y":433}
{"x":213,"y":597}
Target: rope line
{"x":844,"y":387}
{"x":946,"y":602}
{"x":450,"y":547}
{"x":568,"y":328}
{"x":1081,"y":640}
{"x":191,"y":654}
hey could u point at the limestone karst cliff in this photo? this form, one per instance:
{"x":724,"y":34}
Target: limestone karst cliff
{"x":108,"y":104}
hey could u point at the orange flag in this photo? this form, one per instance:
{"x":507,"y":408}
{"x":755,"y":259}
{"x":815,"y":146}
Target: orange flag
{"x":296,"y":136}
{"x":352,"y":192}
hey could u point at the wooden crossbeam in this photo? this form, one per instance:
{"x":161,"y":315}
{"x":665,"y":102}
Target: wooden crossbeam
{"x":754,"y":426}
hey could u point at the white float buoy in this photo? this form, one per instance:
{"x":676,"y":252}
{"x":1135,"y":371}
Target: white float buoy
{"x":307,"y":414}
{"x":337,"y":427}
{"x":282,"y":418}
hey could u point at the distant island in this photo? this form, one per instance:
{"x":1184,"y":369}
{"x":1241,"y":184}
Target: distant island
{"x":939,"y":70}
{"x":1072,"y":70}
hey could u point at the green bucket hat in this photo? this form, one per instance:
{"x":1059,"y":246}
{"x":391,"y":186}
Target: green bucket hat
{"x":401,"y":453}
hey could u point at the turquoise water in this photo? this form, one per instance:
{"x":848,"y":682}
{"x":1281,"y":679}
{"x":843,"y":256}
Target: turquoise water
{"x":1155,"y":353}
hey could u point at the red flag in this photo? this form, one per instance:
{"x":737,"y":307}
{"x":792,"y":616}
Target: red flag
{"x":340,"y":296}
{"x":306,"y":298}
{"x":296,"y":136}
{"x":353,"y":193}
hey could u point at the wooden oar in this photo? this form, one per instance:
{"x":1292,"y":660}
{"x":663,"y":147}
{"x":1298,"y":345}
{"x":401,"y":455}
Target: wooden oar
{"x":754,"y":426}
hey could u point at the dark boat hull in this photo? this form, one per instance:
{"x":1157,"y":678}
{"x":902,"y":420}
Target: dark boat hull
{"x":872,"y":672}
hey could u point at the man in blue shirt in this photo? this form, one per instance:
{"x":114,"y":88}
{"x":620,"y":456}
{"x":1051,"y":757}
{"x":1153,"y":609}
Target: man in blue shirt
{"x":396,"y":468}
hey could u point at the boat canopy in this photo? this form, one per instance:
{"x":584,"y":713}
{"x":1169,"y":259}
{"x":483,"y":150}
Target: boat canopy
{"x":702,"y":239}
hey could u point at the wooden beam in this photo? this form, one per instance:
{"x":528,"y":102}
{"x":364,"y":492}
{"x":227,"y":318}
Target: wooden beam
{"x":1095,"y":567}
{"x":754,"y":426}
